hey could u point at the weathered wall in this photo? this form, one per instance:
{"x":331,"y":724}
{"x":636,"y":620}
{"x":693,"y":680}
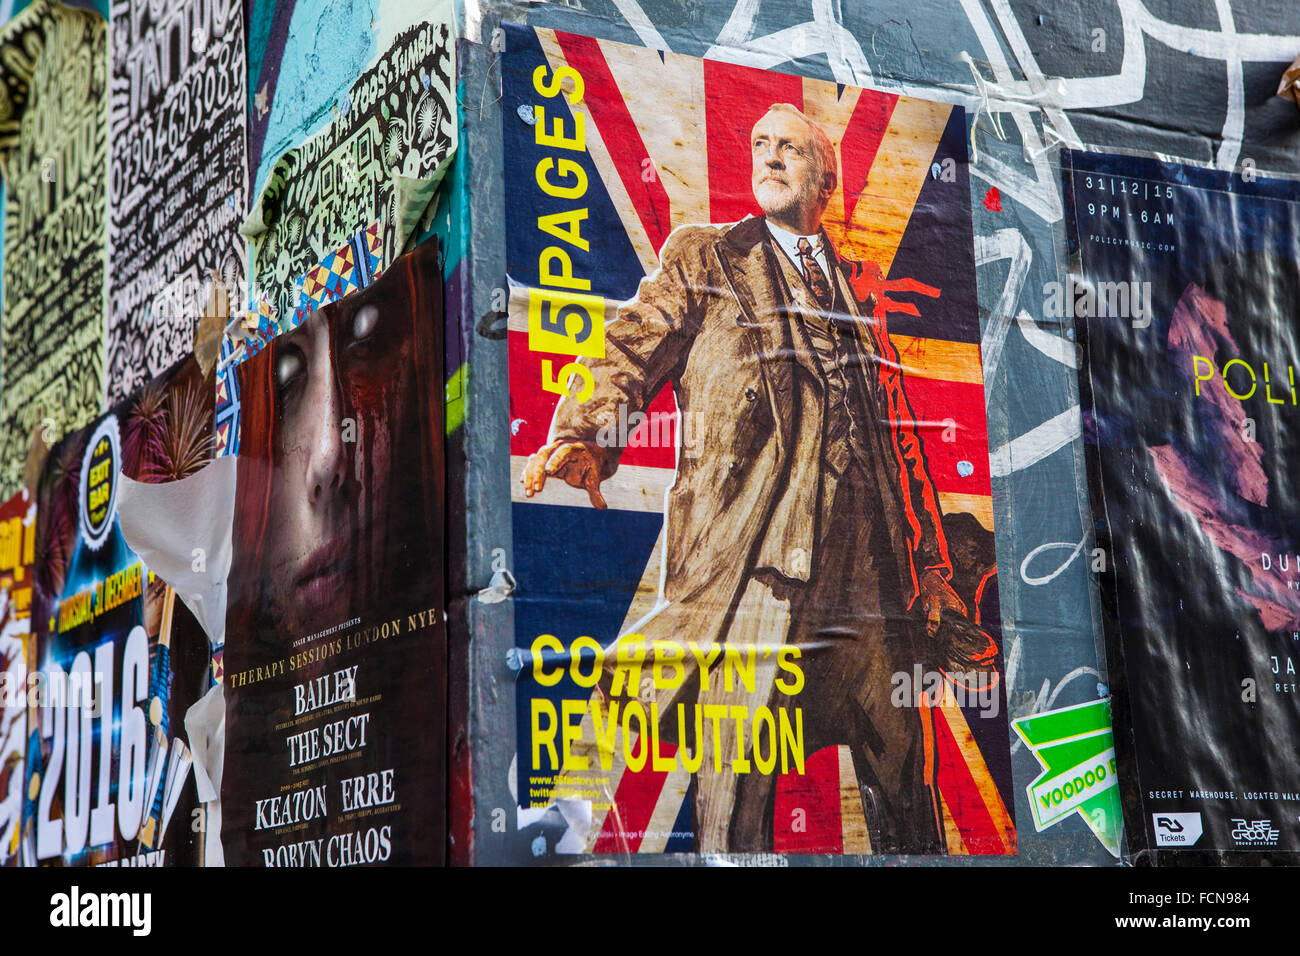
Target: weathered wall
{"x":1192,"y":79}
{"x":1189,"y":80}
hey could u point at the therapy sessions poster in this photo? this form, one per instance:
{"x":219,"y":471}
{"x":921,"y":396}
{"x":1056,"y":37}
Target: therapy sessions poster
{"x":335,"y":650}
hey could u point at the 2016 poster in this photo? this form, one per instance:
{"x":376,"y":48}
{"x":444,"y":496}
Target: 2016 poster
{"x":177,"y":178}
{"x":1184,"y":285}
{"x":53,"y":128}
{"x":757,"y":604}
{"x":17,"y":655}
{"x":119,"y":658}
{"x":335,"y":648}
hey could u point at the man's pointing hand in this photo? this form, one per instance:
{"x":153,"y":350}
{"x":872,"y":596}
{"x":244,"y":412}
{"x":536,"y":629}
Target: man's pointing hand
{"x":578,"y":463}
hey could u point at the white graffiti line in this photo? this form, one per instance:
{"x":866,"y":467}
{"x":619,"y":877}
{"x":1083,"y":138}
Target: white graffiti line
{"x":738,"y":26}
{"x":1039,"y":194}
{"x":1040,"y":580}
{"x":824,"y":34}
{"x":1013,"y":646}
{"x":1036,"y":444}
{"x":640,"y":23}
{"x":1003,"y":244}
{"x":1053,"y":346}
{"x":1235,"y":122}
{"x":1044,"y":702}
{"x":1061,"y":124}
{"x":848,"y":62}
{"x":1129,"y":84}
{"x":1214,"y":44}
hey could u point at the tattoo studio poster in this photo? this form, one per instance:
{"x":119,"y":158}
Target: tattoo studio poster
{"x":53,"y":125}
{"x":757,"y":607}
{"x":17,"y":651}
{"x":178,"y":179}
{"x":1184,"y":288}
{"x":335,"y":649}
{"x":120,"y":658}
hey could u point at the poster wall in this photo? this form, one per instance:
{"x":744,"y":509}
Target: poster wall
{"x":53,"y":126}
{"x":1184,"y":284}
{"x":757,"y":605}
{"x":17,"y":656}
{"x":120,"y":658}
{"x":335,"y":649}
{"x":177,"y":181}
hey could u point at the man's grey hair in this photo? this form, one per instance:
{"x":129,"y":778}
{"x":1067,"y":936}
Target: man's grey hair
{"x":825,"y":150}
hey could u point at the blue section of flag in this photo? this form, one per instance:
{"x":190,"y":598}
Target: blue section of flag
{"x":578,"y":578}
{"x":610,"y":261}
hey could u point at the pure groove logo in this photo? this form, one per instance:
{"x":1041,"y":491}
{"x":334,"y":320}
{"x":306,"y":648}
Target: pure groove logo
{"x":1254,"y":832}
{"x":75,"y":909}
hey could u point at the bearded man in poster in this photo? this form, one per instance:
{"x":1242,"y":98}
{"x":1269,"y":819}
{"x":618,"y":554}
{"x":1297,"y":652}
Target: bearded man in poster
{"x":808,"y":517}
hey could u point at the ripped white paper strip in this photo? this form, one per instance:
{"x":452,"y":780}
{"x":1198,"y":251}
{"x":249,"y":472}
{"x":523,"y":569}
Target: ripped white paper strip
{"x":181,"y":530}
{"x":205,"y":725}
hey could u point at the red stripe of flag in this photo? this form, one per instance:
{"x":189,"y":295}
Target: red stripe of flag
{"x":634,"y":804}
{"x":619,"y":131}
{"x":939,"y":405}
{"x":810,"y":802}
{"x":735,"y":97}
{"x":962,"y":795}
{"x":531,"y":411}
{"x":860,"y":142}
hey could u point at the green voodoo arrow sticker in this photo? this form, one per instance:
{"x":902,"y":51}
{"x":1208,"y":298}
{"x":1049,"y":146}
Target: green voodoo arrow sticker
{"x":1076,"y":749}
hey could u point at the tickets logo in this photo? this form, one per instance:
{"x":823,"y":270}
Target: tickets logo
{"x":1254,"y":832}
{"x":1176,"y":829}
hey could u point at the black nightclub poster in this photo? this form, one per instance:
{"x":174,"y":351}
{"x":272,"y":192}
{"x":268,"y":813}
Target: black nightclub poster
{"x":335,"y":646}
{"x":1184,"y":284}
{"x":177,"y":177}
{"x":120,"y":659}
{"x":52,"y":148}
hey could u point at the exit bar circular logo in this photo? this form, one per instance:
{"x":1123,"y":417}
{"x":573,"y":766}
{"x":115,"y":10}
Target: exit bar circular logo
{"x":97,"y":493}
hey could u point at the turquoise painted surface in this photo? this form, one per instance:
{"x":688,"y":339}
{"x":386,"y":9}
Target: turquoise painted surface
{"x":330,"y":42}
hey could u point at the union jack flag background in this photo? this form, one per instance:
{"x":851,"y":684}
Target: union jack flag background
{"x":667,"y":144}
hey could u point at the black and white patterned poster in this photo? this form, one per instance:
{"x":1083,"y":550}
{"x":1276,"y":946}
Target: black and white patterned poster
{"x":379,"y":160}
{"x":52,"y":148}
{"x":177,"y":182}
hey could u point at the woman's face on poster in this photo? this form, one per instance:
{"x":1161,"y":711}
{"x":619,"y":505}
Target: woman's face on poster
{"x":342,"y":396}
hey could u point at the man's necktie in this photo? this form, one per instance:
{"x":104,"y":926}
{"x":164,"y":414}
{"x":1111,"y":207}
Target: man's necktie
{"x":813,"y":274}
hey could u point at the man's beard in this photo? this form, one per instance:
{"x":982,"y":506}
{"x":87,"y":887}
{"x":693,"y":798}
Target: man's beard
{"x":778,"y":199}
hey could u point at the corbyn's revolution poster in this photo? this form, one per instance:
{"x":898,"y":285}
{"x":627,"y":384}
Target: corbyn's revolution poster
{"x":757,"y":606}
{"x":335,"y":648}
{"x":1183,"y":286}
{"x":118,"y":657}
